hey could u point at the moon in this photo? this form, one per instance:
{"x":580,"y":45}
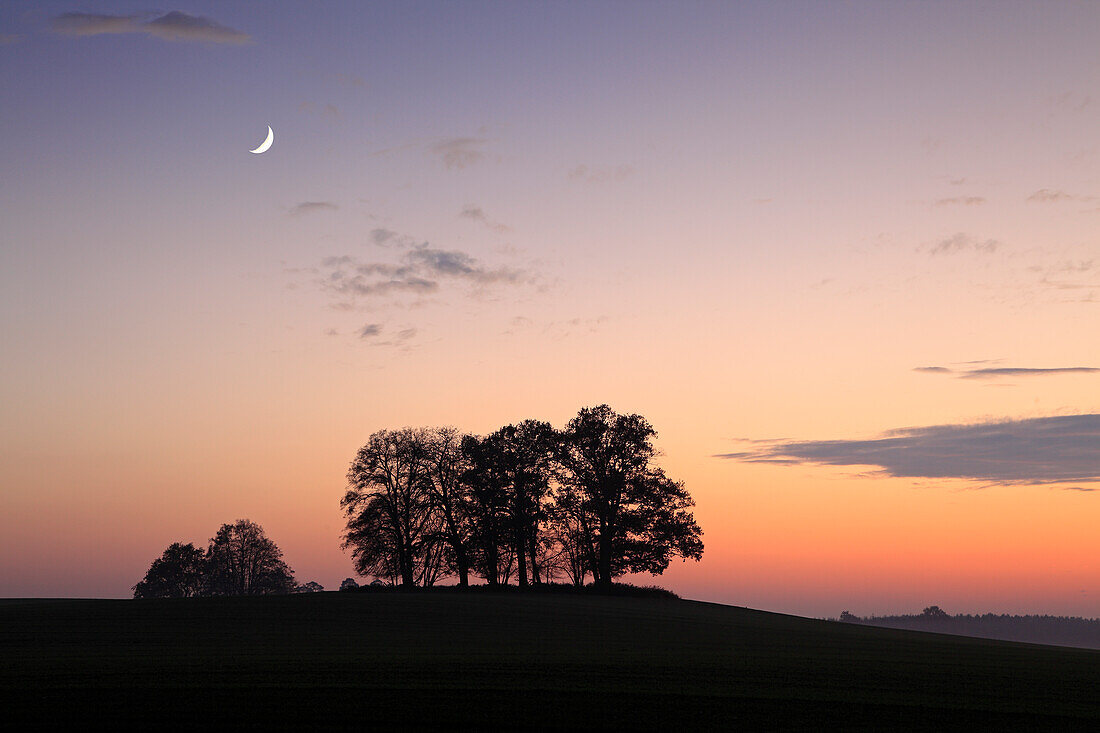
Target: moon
{"x":266,"y":143}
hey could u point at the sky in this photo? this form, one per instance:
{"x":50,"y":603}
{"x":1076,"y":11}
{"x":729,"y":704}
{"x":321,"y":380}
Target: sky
{"x":845,"y":257}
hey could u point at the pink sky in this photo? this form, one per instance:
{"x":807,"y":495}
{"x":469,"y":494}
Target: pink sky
{"x":744,"y":221}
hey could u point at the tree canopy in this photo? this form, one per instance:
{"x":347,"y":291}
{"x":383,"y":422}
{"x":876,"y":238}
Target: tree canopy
{"x":177,"y":573}
{"x":526,"y":502}
{"x":240,"y":560}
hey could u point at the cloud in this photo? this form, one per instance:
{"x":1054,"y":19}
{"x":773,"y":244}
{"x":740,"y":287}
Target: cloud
{"x":1043,"y":450}
{"x":419,"y":270}
{"x":995,"y":372}
{"x":360,"y":286}
{"x":963,"y":200}
{"x":93,"y":24}
{"x":1048,"y":196}
{"x":1068,"y":267}
{"x":601,"y":175}
{"x":477,"y":214}
{"x":458,"y":152}
{"x":309,"y":207}
{"x":390,"y":238}
{"x":456,"y":264}
{"x":1025,"y":372}
{"x":370,"y":330}
{"x":172,"y":26}
{"x":962,"y":243}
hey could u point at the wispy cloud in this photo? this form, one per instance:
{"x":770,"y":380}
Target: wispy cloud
{"x":996,"y":372}
{"x":419,"y":270}
{"x":963,"y":243}
{"x":961,"y":201}
{"x":475,"y":213}
{"x":457,"y":264}
{"x":373,"y":331}
{"x":1048,"y":196}
{"x":389,"y":238}
{"x":459,"y":152}
{"x":172,"y":26}
{"x":1045,"y":450}
{"x":1053,"y":196}
{"x":310,"y":207}
{"x":584,"y":173}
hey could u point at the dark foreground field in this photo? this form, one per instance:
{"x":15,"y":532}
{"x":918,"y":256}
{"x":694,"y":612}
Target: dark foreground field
{"x":446,"y":660}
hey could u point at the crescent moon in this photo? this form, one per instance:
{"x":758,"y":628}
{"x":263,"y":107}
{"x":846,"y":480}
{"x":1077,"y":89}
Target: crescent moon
{"x":266,"y":143}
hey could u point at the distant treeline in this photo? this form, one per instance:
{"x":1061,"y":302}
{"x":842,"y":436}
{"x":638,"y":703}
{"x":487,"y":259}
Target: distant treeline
{"x":527,"y":503}
{"x":1059,"y":630}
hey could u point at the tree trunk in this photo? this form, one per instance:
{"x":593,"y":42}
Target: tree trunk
{"x":532,"y":545}
{"x":521,"y":558}
{"x":492,"y":566}
{"x":604,"y":580}
{"x":463,"y":564}
{"x":405,"y":559}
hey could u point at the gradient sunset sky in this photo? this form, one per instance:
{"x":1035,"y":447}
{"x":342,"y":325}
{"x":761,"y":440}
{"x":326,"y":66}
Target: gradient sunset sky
{"x":844,"y":256}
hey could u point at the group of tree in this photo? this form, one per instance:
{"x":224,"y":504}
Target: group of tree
{"x":527,"y":502}
{"x":239,"y":561}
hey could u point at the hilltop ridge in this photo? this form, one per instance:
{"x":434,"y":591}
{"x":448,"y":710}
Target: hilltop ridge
{"x":513,"y":660}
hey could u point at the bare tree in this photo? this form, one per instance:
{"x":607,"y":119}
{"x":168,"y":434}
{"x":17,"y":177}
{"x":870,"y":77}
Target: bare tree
{"x":242,"y":561}
{"x":389,"y":508}
{"x":446,"y":466}
{"x":485,"y":479}
{"x":521,"y":456}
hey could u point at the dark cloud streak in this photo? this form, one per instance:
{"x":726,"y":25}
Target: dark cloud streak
{"x":1044,"y":450}
{"x":995,"y":372}
{"x":308,"y":207}
{"x":172,"y":26}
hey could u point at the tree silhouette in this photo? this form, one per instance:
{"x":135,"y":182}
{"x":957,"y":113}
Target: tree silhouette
{"x":423,"y":504}
{"x":348,"y":584}
{"x":392,"y":528}
{"x":178,"y":573}
{"x":573,"y":556}
{"x":242,"y":561}
{"x":523,"y":455}
{"x":486,"y":480}
{"x":631,"y":517}
{"x":311,"y":587}
{"x":446,"y":466}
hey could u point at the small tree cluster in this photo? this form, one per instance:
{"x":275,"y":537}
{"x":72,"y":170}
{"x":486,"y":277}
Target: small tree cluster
{"x":527,"y":502}
{"x":239,"y":561}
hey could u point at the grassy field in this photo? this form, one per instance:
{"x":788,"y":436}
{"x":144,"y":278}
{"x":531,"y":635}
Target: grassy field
{"x":478,"y":660}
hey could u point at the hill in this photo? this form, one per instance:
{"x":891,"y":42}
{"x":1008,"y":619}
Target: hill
{"x":478,"y":660}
